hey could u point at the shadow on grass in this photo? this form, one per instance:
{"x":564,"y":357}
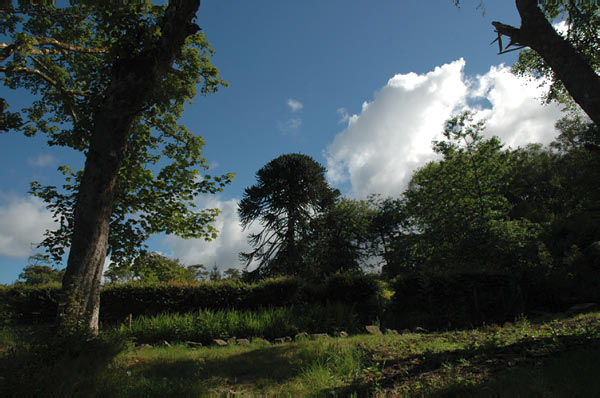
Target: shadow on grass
{"x":44,"y":363}
{"x":571,"y":374}
{"x":526,"y":368}
{"x":253,"y":371}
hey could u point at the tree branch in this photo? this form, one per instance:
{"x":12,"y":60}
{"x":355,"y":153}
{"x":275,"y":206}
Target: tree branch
{"x":59,"y":48}
{"x":65,"y":47}
{"x":32,"y":71}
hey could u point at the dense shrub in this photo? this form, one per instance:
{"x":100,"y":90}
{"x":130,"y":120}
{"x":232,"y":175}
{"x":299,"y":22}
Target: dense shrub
{"x":454,"y":300}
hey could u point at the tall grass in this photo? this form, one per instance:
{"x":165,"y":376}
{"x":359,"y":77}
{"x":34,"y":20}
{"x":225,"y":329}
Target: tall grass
{"x":206,"y":325}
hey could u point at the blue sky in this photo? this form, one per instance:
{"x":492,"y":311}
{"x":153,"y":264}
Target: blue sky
{"x":361,"y":86}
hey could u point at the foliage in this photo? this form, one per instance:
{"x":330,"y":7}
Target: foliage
{"x":154,"y":267}
{"x":290,"y":191}
{"x":389,"y":231}
{"x":458,"y":209}
{"x":68,"y":56}
{"x":339,"y":240}
{"x":39,"y":271}
{"x":556,"y":188}
{"x":232,"y":273}
{"x":214,"y":274}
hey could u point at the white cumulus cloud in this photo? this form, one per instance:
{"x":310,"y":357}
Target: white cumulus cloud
{"x":294,"y":105}
{"x":391,"y":137}
{"x":222,"y":251}
{"x":23,"y":221}
{"x":517,"y":114}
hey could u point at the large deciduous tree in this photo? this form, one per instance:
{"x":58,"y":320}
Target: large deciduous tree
{"x":458,"y":205}
{"x":340,"y":238}
{"x":111,"y":80}
{"x":290,"y":191}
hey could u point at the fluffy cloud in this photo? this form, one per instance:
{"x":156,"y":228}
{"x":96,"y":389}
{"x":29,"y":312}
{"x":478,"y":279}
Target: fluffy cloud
{"x":222,"y":251}
{"x":517,"y":114}
{"x":23,"y":221}
{"x":294,"y":105}
{"x":391,"y":137}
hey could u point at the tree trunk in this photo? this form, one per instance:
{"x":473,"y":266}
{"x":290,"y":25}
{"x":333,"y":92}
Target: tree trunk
{"x":578,"y":77}
{"x":129,"y":92}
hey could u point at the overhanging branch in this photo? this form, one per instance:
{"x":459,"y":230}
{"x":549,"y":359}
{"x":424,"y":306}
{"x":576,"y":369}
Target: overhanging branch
{"x":514,"y":35}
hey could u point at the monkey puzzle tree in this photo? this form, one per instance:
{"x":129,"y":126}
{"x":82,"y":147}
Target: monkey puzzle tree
{"x":111,"y":80}
{"x":290,"y":191}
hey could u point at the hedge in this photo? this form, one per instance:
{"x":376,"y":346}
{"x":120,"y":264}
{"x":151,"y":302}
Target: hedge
{"x":30,"y":304}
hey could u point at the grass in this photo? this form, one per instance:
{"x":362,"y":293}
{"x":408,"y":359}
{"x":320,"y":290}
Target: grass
{"x":206,"y":325}
{"x":527,"y":358}
{"x":8,"y":336}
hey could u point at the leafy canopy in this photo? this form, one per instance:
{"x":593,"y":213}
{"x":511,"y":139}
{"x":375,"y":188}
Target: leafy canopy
{"x":66,"y":57}
{"x":458,"y":205}
{"x":154,"y":267}
{"x":39,"y":271}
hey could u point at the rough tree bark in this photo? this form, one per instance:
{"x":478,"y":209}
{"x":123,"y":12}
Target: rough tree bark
{"x":132,"y":82}
{"x":578,"y":77}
